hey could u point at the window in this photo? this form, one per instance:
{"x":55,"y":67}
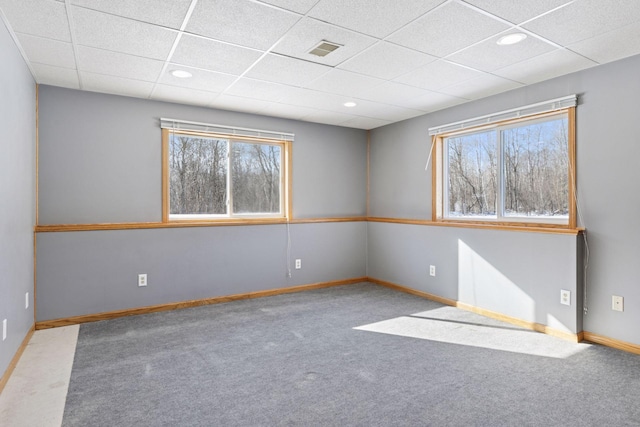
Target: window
{"x":209,"y":176}
{"x":515,"y":171}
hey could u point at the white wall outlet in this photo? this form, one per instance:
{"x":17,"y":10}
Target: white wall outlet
{"x":432,"y":270}
{"x":26,"y":300}
{"x":617,"y":303}
{"x":298,"y":264}
{"x":4,"y":329}
{"x":142,"y":280}
{"x":565,"y":297}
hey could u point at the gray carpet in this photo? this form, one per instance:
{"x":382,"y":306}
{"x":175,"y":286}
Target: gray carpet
{"x":296,"y":360}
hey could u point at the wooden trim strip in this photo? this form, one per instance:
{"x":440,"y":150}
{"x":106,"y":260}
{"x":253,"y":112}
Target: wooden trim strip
{"x":12,"y":365}
{"x":487,"y":313}
{"x":46,"y":324}
{"x":610,"y":342}
{"x":432,"y":297}
{"x":538,"y":327}
{"x":487,"y":226}
{"x":37,"y":153}
{"x":368,"y":172}
{"x":181,"y":224}
{"x":571,"y":113}
{"x":165,"y":175}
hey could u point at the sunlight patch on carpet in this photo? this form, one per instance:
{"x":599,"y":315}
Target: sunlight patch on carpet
{"x":433,"y":326}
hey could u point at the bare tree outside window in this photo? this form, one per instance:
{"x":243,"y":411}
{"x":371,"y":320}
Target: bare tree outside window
{"x":255,"y":175}
{"x":472,"y":174}
{"x":523,"y":168}
{"x":535,"y":168}
{"x":205,"y":173}
{"x":198,"y":180}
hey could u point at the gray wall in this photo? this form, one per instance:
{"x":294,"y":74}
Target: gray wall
{"x":607,"y":134}
{"x":100,"y":162}
{"x":17,"y":195}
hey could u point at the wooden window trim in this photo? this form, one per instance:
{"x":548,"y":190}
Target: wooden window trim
{"x":285,"y":184}
{"x":437,"y":178}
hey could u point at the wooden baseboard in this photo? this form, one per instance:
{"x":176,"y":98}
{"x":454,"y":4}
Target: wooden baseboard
{"x":432,"y":297}
{"x":538,"y":327}
{"x":487,"y":313}
{"x":610,"y":342}
{"x":46,"y":324}
{"x":16,"y":358}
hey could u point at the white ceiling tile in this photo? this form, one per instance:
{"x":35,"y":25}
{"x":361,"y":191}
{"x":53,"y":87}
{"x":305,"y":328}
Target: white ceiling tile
{"x":42,"y":18}
{"x":480,"y":87}
{"x":118,"y":64}
{"x":109,"y":32}
{"x":382,"y":111}
{"x":306,"y":35}
{"x":298,"y":6}
{"x":489,"y":55}
{"x":386,"y":61}
{"x":182,"y":95}
{"x":366,"y":123}
{"x":544,"y":67}
{"x":437,"y":75}
{"x":517,"y":11}
{"x":433,"y":101}
{"x":201,"y":79}
{"x":345,"y":83}
{"x":327,"y":117}
{"x":115,"y":85}
{"x":439,"y":32}
{"x":611,"y":46}
{"x":282,"y":69}
{"x":377,"y":18}
{"x":214,"y":56}
{"x":56,"y":76}
{"x":168,"y":13}
{"x":47,"y":51}
{"x":237,"y":103}
{"x":316,"y":100}
{"x":241,"y":22}
{"x":392,"y":93}
{"x":585,"y":19}
{"x":258,"y":89}
{"x":288,"y":111}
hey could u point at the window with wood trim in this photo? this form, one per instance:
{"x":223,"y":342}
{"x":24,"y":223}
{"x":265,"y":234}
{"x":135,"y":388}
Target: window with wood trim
{"x":519,"y":171}
{"x":209,"y":176}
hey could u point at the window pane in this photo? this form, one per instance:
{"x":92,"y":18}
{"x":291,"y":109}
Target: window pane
{"x":255,"y":175}
{"x":536,"y":170}
{"x":198,"y":175}
{"x":472,"y":174}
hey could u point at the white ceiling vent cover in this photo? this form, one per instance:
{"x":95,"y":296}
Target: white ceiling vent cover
{"x":324,"y":48}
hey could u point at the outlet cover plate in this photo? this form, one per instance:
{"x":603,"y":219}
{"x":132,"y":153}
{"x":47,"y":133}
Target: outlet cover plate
{"x":617,"y":303}
{"x":565,"y":297}
{"x":432,"y":270}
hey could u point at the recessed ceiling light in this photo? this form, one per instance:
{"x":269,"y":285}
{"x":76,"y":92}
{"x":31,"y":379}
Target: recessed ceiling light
{"x":181,"y":74}
{"x":511,"y":39}
{"x":350,"y":104}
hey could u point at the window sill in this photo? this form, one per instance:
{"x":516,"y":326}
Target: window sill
{"x":533,"y":228}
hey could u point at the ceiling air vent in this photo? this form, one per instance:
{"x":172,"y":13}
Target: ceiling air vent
{"x":324,"y":48}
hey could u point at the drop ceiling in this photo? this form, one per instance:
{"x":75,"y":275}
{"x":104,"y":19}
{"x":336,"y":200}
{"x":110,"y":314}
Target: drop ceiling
{"x":397,"y":58}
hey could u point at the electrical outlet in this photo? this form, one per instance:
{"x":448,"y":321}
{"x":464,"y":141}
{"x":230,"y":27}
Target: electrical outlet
{"x":26,"y":300}
{"x":142,"y":280}
{"x":4,"y":329}
{"x":432,"y":270}
{"x":298,"y":264}
{"x":617,"y":303}
{"x":565,"y":297}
